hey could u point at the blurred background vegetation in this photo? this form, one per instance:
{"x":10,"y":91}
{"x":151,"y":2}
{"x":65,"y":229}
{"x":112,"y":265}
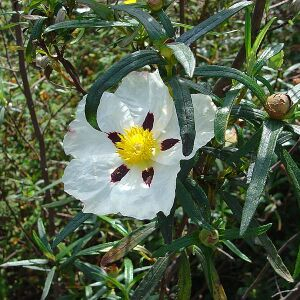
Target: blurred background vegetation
{"x":23,"y":202}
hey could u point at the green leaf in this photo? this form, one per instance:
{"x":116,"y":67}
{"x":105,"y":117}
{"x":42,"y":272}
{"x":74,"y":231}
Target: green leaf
{"x":236,"y":251}
{"x":151,"y":279}
{"x":87,"y":23}
{"x":185,"y":113}
{"x":294,"y":93}
{"x":97,"y":249}
{"x":101,"y":10}
{"x":252,"y":232}
{"x":58,"y":203}
{"x":270,"y":134}
{"x":166,"y":23}
{"x":42,"y":234}
{"x":128,"y":271}
{"x":184,"y":278}
{"x":48,"y":283}
{"x":127,"y":243}
{"x":91,"y":271}
{"x":47,"y":252}
{"x":70,"y":228}
{"x":189,"y":206}
{"x":115,"y":224}
{"x":248,"y":40}
{"x":165,"y":224}
{"x":297,"y":266}
{"x":292,"y":170}
{"x":266,"y":83}
{"x":226,"y":72}
{"x":26,"y":262}
{"x":154,"y":29}
{"x":113,"y":75}
{"x":265,"y":56}
{"x":222,"y":116}
{"x":248,"y":113}
{"x":273,"y":257}
{"x":276,"y":61}
{"x":178,"y":244}
{"x":184,"y":56}
{"x":192,"y":35}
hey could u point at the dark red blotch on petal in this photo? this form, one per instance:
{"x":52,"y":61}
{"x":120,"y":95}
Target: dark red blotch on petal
{"x":148,"y":175}
{"x":114,"y":137}
{"x":168,"y":143}
{"x":119,"y":173}
{"x":149,"y":120}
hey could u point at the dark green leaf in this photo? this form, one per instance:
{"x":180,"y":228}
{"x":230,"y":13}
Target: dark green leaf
{"x":166,"y":23}
{"x":248,"y":113}
{"x":101,"y":10}
{"x":297,"y":266}
{"x":42,"y":234}
{"x":113,"y":75}
{"x":270,"y":133}
{"x":48,"y":283}
{"x":178,"y":245}
{"x":226,"y":72}
{"x":70,"y":228}
{"x":266,"y":83}
{"x":236,"y":251}
{"x":127,"y":243}
{"x":154,"y":29}
{"x":151,"y":279}
{"x":294,"y":93}
{"x":165,"y":224}
{"x":192,"y":35}
{"x":252,"y":232}
{"x":273,"y":257}
{"x":185,"y":113}
{"x":44,"y":249}
{"x":184,"y":56}
{"x":89,"y":23}
{"x":222,"y":116}
{"x":184,"y":278}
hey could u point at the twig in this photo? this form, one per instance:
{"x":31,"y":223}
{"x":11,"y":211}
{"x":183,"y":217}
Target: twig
{"x":33,"y":116}
{"x":294,"y":293}
{"x":181,"y":15}
{"x":266,"y":266}
{"x":224,"y":84}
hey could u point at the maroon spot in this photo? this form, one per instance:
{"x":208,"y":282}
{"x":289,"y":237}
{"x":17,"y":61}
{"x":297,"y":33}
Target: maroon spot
{"x":118,"y":173}
{"x":148,"y":175}
{"x":114,"y":137}
{"x":167,"y":144}
{"x":149,"y":120}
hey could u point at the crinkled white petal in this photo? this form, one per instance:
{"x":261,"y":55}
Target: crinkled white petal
{"x":134,"y":198}
{"x":204,"y":114}
{"x":89,"y":181}
{"x":113,"y":115}
{"x":82,"y":140}
{"x":145,"y":92}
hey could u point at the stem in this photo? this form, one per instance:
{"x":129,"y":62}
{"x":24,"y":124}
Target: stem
{"x":181,"y":15}
{"x":30,"y":104}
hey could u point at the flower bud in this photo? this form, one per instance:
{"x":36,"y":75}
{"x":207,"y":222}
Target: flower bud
{"x":209,"y":237}
{"x":155,"y":5}
{"x":278,"y":105}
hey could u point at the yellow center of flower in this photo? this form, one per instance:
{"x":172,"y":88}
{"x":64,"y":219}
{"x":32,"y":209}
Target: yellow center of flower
{"x":130,"y":1}
{"x":137,"y":147}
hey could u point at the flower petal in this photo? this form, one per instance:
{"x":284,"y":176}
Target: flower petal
{"x":145,"y":92}
{"x":82,"y":140}
{"x":204,"y":114}
{"x":113,"y":115}
{"x":134,"y":198}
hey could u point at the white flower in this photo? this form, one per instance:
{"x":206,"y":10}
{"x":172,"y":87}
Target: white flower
{"x":131,"y":166}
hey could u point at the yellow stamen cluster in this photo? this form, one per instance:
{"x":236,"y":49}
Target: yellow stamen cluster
{"x":130,"y":1}
{"x":137,"y":147}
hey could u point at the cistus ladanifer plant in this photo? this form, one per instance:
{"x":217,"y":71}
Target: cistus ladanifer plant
{"x":172,"y":157}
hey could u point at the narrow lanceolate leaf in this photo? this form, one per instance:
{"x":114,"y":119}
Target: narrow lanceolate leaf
{"x":151,"y":279}
{"x":189,"y":206}
{"x":273,"y":257}
{"x":101,"y":10}
{"x":222,"y":116}
{"x":185,"y":57}
{"x":236,"y":251}
{"x":127,"y":243}
{"x":154,"y":29}
{"x":47,"y":252}
{"x":165,"y":224}
{"x":42,"y":234}
{"x":292,"y":170}
{"x":48,"y":283}
{"x":184,"y":278}
{"x":89,"y":23}
{"x":113,"y":75}
{"x":297,"y":266}
{"x":226,"y":72}
{"x":70,"y":228}
{"x":185,"y":114}
{"x":270,"y":133}
{"x":294,"y":94}
{"x":192,"y":35}
{"x":23,"y":263}
{"x":265,"y":56}
{"x":166,"y":23}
